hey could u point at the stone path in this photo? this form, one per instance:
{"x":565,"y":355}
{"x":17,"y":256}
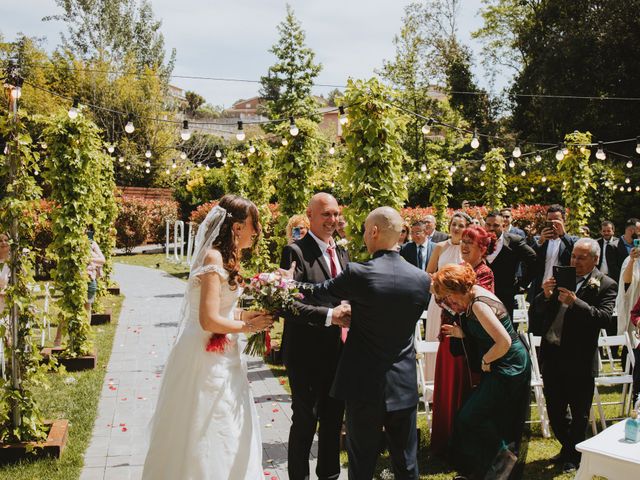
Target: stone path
{"x":144,"y":336}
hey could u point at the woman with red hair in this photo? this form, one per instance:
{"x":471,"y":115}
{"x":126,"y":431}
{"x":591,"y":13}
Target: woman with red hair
{"x":454,"y":377}
{"x":488,"y":429}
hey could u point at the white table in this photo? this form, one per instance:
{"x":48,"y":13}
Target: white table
{"x":608,"y":455}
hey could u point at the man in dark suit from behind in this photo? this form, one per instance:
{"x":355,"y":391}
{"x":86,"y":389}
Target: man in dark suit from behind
{"x":511,"y":251}
{"x":376,"y":375}
{"x":312,"y":345}
{"x":569,"y":322}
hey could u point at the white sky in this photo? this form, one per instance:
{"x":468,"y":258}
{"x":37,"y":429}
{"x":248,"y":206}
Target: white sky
{"x":231,"y":38}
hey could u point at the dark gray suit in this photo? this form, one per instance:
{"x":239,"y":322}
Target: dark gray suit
{"x":376,"y":374}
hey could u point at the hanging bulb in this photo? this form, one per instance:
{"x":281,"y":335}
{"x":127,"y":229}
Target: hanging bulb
{"x":453,"y":169}
{"x":218,"y":152}
{"x":538,"y":158}
{"x":638,"y":145}
{"x":129,"y":128}
{"x":44,"y":145}
{"x":240,"y":133}
{"x":428,"y":176}
{"x":199,"y":164}
{"x":167,"y":171}
{"x":629,"y":164}
{"x":183,"y":155}
{"x":147,"y":170}
{"x":622,"y":189}
{"x":174,"y":165}
{"x":426,"y":128}
{"x":128,"y":167}
{"x":637,"y":188}
{"x":466,"y":179}
{"x":565,"y":150}
{"x":628,"y":189}
{"x":483,"y":167}
{"x":515,"y":189}
{"x":600,"y":155}
{"x":207,"y":168}
{"x":293,"y":128}
{"x":512,"y":163}
{"x":482,"y":184}
{"x":185,"y":134}
{"x":111,"y":149}
{"x":361,"y":160}
{"x":73,"y":111}
{"x":405,"y":178}
{"x":532,"y":189}
{"x":147,"y":164}
{"x":548,"y":189}
{"x":543,"y":179}
{"x":284,"y":142}
{"x":423,"y":168}
{"x":188,"y":171}
{"x":224,"y":161}
{"x":121,"y":159}
{"x":332,"y":148}
{"x":36,"y":173}
{"x":252,"y":149}
{"x":627,"y":180}
{"x":523,"y":173}
{"x":475,"y":143}
{"x":560,"y":152}
{"x":343,"y":116}
{"x":516,"y":152}
{"x":147,"y":153}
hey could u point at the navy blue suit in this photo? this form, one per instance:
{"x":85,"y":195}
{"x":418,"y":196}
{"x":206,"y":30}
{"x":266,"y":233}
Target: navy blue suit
{"x":376,"y":375}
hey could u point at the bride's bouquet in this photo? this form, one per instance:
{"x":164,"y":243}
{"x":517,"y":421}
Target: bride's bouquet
{"x":275,"y":296}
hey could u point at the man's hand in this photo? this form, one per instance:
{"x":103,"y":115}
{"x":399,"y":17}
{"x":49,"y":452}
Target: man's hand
{"x":341,"y":315}
{"x":566,"y":296}
{"x":558,"y":225}
{"x":546,"y":234}
{"x":548,"y":286}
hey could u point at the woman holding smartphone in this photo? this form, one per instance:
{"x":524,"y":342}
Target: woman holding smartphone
{"x":297,"y":228}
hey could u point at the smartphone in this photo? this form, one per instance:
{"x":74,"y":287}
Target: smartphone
{"x":565,"y":277}
{"x":636,"y":242}
{"x":548,"y":224}
{"x":295,"y":233}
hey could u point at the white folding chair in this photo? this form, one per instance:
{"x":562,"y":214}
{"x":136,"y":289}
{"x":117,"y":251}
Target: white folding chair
{"x":606,"y":349}
{"x":537,"y":385}
{"x":426,"y":386}
{"x":622,"y":377}
{"x":521,"y":312}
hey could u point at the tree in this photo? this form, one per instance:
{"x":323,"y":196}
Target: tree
{"x":494,"y":178}
{"x":194,"y":102}
{"x":286,"y":88}
{"x":333,"y":97}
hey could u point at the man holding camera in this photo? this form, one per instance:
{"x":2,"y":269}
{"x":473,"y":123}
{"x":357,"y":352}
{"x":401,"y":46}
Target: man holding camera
{"x":569,"y":319}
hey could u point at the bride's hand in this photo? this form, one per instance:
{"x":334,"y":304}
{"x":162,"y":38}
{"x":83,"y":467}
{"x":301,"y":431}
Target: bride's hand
{"x":287,"y":274}
{"x":257,"y":320}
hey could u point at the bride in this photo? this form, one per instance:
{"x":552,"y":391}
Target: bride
{"x":205,"y":425}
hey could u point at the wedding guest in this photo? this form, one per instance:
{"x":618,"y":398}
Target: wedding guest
{"x":569,"y":321}
{"x":297,"y":228}
{"x":507,"y":216}
{"x":453,"y":377}
{"x":443,"y":253}
{"x":341,"y":226}
{"x":610,"y":261}
{"x":94,"y":269}
{"x":628,"y":291}
{"x":631,"y":232}
{"x":488,"y":429}
{"x":585,"y":232}
{"x":405,"y":234}
{"x":312,"y":345}
{"x":635,"y":321}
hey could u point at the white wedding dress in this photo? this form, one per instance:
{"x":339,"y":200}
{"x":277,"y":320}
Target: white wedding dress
{"x":205,"y":426}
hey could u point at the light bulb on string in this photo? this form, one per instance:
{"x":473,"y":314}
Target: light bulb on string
{"x":428,"y":176}
{"x":361,"y":160}
{"x":466,"y":179}
{"x":44,"y":145}
{"x":453,"y":169}
{"x":600,"y":155}
{"x":252,"y":149}
{"x":637,"y":188}
{"x":512,"y":163}
{"x":423,"y":168}
{"x":543,"y":179}
{"x":629,"y":164}
{"x":532,"y":189}
{"x":188,"y":171}
{"x":628,"y":189}
{"x":121,"y":159}
{"x":483,"y":167}
{"x":627,"y":180}
{"x":293,"y":128}
{"x":515,"y":189}
{"x":343,"y":116}
{"x":538,"y":158}
{"x":183,"y":155}
{"x":548,"y":189}
{"x":565,"y":150}
{"x":560,"y":153}
{"x":36,"y":172}
{"x":73,"y":111}
{"x":147,"y":164}
{"x":638,"y":145}
{"x":224,"y":161}
{"x":284,"y":142}
{"x":129,"y":127}
{"x":185,"y":134}
{"x":147,"y":170}
{"x":218,"y":152}
{"x":405,"y":178}
{"x":207,"y":168}
{"x":128,"y":167}
{"x":426,"y":128}
{"x":475,"y":143}
{"x":482,"y":184}
{"x":332,"y":148}
{"x":622,"y":189}
{"x":516,"y":152}
{"x":240,"y":136}
{"x":174,"y":165}
{"x":111,"y":149}
{"x":167,"y":171}
{"x":523,"y":173}
{"x":148,"y":153}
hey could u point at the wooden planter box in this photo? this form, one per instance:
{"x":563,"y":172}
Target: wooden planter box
{"x":114,"y":290}
{"x":74,"y":364}
{"x":101,"y":318}
{"x":52,"y":447}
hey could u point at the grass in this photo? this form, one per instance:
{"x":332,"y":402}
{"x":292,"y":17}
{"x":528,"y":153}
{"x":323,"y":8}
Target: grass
{"x":540,"y":449}
{"x":73,"y":396}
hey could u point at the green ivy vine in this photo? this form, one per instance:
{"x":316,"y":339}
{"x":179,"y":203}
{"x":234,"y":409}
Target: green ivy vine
{"x":439,"y":188}
{"x":494,"y":178}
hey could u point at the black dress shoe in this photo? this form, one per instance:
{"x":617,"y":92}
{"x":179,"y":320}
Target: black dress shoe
{"x":568,"y":467}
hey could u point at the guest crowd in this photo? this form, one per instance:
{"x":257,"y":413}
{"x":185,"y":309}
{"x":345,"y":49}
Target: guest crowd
{"x":482,"y":370}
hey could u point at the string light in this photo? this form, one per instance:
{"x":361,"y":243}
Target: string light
{"x":453,"y":169}
{"x":638,"y":145}
{"x":600,"y":155}
{"x":218,"y":152}
{"x":629,"y":164}
{"x":466,"y":179}
{"x":532,"y":189}
{"x":185,"y":134}
{"x":128,"y":167}
{"x":252,"y":149}
{"x":565,"y":150}
{"x":343,"y":116}
{"x":622,"y":189}
{"x":224,"y":161}
{"x":428,"y":176}
{"x":560,"y":152}
{"x":121,"y":159}
{"x":147,"y":164}
{"x":174,"y":165}
{"x":44,"y":145}
{"x":129,"y":128}
{"x":483,"y":167}
{"x":73,"y":111}
{"x":293,"y":128}
{"x":207,"y":168}
{"x":147,"y":171}
{"x":284,"y":142}
{"x":426,"y":128}
{"x":627,"y":180}
{"x":183,"y":155}
{"x":111,"y":149}
{"x":167,"y":171}
{"x":512,"y":163}
{"x":543,"y":179}
{"x":516,"y":152}
{"x":523,"y":173}
{"x":199,"y":164}
{"x":637,"y":188}
{"x":332,"y":148}
{"x":475,"y":143}
{"x":548,"y":189}
{"x":423,"y":168}
{"x":628,"y":189}
{"x":482,"y":184}
{"x":515,"y":189}
{"x":405,"y":178}
{"x":240,"y":136}
{"x":188,"y":171}
{"x":538,"y":158}
{"x":148,"y":153}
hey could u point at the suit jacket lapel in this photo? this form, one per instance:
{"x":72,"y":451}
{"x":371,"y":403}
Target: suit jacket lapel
{"x":314,"y":248}
{"x":342,"y":257}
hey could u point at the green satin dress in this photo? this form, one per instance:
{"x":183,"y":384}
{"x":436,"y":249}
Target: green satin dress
{"x":494,"y":415}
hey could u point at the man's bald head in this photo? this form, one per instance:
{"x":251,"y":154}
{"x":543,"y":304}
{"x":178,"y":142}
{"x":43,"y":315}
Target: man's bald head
{"x":382,"y":229}
{"x":323,"y":212}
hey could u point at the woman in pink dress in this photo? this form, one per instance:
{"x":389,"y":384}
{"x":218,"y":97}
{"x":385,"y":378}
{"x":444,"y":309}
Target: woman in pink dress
{"x":453,"y":377}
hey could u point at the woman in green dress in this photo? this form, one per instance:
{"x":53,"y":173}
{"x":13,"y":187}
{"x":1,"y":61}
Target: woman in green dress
{"x":488,"y":429}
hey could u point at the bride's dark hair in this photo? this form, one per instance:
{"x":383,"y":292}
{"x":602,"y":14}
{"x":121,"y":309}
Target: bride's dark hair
{"x":238,"y":209}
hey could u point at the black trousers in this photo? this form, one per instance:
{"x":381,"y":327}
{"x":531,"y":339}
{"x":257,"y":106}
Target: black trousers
{"x":313,"y":409}
{"x":365,"y":422}
{"x":563,"y":390}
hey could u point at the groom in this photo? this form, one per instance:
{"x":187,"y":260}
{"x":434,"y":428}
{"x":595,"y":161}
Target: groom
{"x":312,"y":345}
{"x":376,"y":374}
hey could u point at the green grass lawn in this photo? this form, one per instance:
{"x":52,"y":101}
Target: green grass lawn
{"x":540,"y":449}
{"x":73,"y":396}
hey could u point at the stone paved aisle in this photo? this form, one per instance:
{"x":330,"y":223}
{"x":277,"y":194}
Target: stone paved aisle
{"x":142,"y":342}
